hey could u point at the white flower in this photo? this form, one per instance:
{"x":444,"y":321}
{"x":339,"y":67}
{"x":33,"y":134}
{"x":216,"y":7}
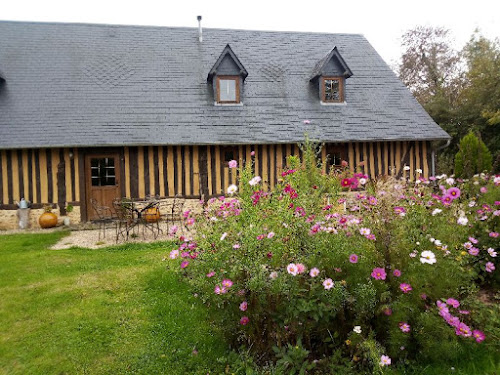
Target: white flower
{"x":314,"y":272}
{"x":418,"y":182}
{"x":357,"y":329}
{"x":450,"y":181}
{"x":292,"y":269}
{"x":224,"y":235}
{"x":436,"y":211}
{"x":462,"y":220}
{"x":492,"y":252}
{"x":432,"y":239}
{"x":232,"y":189}
{"x":418,"y":170}
{"x":427,"y":257}
{"x":362,"y":181}
{"x":406,"y":168}
{"x":273,"y":275}
{"x":254,"y":181}
{"x":496,"y":180}
{"x":476,"y":182}
{"x":438,"y":243}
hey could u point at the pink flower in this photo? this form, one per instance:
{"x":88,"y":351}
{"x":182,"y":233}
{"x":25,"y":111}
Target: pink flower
{"x":353,"y":258}
{"x":210,"y":274}
{"x":405,"y":327}
{"x":217,"y":289}
{"x":252,"y":153}
{"x":483,"y":190}
{"x":173,"y":230}
{"x":494,"y":234}
{"x":184,"y":264}
{"x":227,"y":283}
{"x":328,"y":284}
{"x":270,"y":235}
{"x":233,"y":164}
{"x":388,"y":311}
{"x":244,"y":320}
{"x":400,"y":210}
{"x":478,"y":335}
{"x":236,"y":246}
{"x":473,"y":240}
{"x":174,"y":254}
{"x":300,"y":268}
{"x":385,"y":361}
{"x":490,"y":267}
{"x":463,"y":330}
{"x":406,"y":288}
{"x":474,"y":251}
{"x":307,"y":122}
{"x":365,"y":231}
{"x":371,"y":237}
{"x":292,"y":269}
{"x":314,"y":272}
{"x":453,"y":302}
{"x":453,"y":192}
{"x":379,"y":274}
{"x":244,"y":306}
{"x":396,"y":273}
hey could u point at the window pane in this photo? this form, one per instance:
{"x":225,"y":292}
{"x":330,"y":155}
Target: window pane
{"x":102,"y":171}
{"x":332,"y":90}
{"x":227,"y":89}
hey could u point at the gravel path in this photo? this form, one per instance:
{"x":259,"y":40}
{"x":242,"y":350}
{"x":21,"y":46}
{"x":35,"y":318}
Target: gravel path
{"x":86,"y":237}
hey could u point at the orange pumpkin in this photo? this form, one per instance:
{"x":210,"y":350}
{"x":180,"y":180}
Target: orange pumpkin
{"x":47,"y":220}
{"x":152,"y":215}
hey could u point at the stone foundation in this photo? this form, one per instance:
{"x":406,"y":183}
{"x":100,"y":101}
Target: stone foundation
{"x":9,"y":219}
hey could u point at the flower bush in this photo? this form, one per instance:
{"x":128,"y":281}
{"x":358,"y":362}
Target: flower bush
{"x":305,"y":276}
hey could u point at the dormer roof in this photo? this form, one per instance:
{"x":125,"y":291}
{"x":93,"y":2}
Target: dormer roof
{"x":332,"y":60}
{"x":227,"y":53}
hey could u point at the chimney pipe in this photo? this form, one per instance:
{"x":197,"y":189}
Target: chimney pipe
{"x":200,"y":32}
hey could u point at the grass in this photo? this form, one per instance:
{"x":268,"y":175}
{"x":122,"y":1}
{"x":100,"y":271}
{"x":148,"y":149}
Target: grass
{"x":81,"y":311}
{"x":120,"y":311}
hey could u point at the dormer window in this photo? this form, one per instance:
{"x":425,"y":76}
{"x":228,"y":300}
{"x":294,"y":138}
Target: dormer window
{"x":332,"y":89}
{"x":228,"y":89}
{"x":227,"y":77}
{"x":330,"y":75}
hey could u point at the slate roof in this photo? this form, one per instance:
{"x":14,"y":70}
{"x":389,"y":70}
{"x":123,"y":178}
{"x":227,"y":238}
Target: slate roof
{"x":106,"y":85}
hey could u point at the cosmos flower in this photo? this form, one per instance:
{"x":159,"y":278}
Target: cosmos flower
{"x":405,"y":288}
{"x":462,"y":220}
{"x":353,"y":258}
{"x":357,"y":329}
{"x":232,"y":189}
{"x":489,"y":267}
{"x":254,"y":181}
{"x":314,"y":272}
{"x":244,"y":306}
{"x":233,"y":164}
{"x":328,"y":284}
{"x":244,"y":320}
{"x":453,"y":192}
{"x":404,"y":327}
{"x":478,"y":335}
{"x":385,"y":360}
{"x":396,"y":273}
{"x":427,"y":257}
{"x":378,"y":274}
{"x":292,"y":269}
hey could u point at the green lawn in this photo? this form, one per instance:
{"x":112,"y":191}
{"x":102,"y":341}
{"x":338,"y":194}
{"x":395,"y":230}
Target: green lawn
{"x":108,"y":311}
{"x":120,"y":311}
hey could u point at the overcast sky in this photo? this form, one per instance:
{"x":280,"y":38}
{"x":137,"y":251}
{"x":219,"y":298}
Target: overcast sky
{"x":382,"y":22}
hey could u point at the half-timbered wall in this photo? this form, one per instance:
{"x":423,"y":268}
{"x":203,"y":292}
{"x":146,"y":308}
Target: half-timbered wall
{"x":41,"y":176}
{"x":56,"y":175}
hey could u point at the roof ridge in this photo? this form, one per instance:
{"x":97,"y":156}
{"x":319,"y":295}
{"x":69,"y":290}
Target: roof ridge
{"x":63,"y":23}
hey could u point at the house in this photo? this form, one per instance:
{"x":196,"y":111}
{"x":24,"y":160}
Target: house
{"x":102,"y":111}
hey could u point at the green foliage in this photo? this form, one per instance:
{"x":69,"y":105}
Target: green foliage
{"x":253,"y":254}
{"x":472,"y":158}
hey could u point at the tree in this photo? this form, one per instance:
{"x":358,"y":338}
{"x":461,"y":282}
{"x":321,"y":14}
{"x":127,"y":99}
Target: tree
{"x":479,"y":101}
{"x":473,"y":157}
{"x":430,"y":67}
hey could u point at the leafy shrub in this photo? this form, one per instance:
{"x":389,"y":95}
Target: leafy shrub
{"x":307,"y":276}
{"x":473,"y":157}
